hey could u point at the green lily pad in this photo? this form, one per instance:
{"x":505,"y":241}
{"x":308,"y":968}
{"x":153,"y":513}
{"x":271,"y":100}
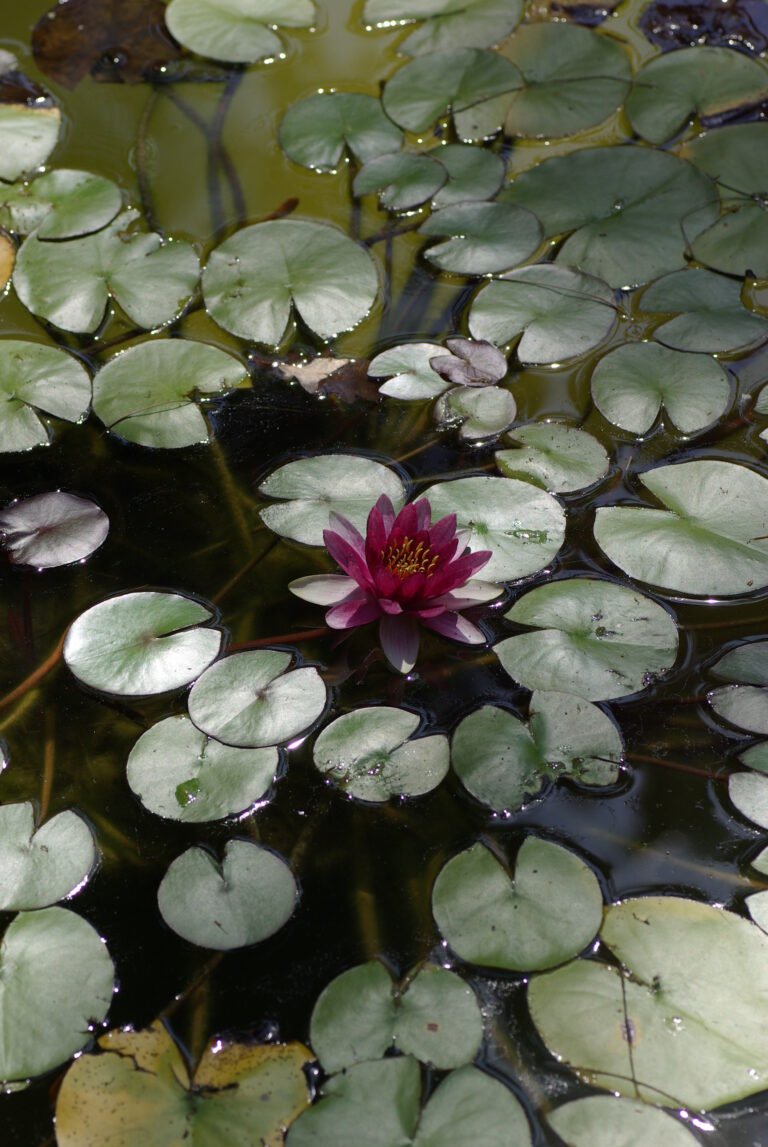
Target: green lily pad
{"x":632,"y":383}
{"x":179,"y":773}
{"x":745,"y":706}
{"x":52,"y":529}
{"x":60,"y":204}
{"x":605,"y":1121}
{"x":249,"y":701}
{"x":235,"y":31}
{"x":149,"y":393}
{"x":312,"y":487}
{"x":482,"y":412}
{"x":553,"y":456}
{"x":711,"y":317}
{"x":537,"y":917}
{"x":632,"y":211}
{"x":483,"y":237}
{"x":369,"y":754}
{"x":522,"y":526}
{"x":37,"y":377}
{"x":139,"y":1092}
{"x":473,"y":23}
{"x":137,"y":644}
{"x":408,"y":364}
{"x":746,"y":663}
{"x":435,"y":1017}
{"x":28,"y":135}
{"x":473,"y":173}
{"x":699,"y":80}
{"x":756,"y":757}
{"x":43,"y":865}
{"x":56,"y":979}
{"x":402,"y":180}
{"x":592,"y":638}
{"x":243,"y":900}
{"x":560,"y":313}
{"x":503,"y":762}
{"x":69,"y":283}
{"x":673,"y":1025}
{"x":253,"y":278}
{"x":573,"y":78}
{"x":315,"y":131}
{"x":710,"y":541}
{"x":749,"y":793}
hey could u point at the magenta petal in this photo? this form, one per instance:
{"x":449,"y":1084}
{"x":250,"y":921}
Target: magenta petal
{"x":387,"y":511}
{"x":390,"y":607}
{"x":443,"y":531}
{"x":423,"y":513}
{"x":399,"y":637}
{"x":376,"y":535}
{"x":348,"y":558}
{"x":348,"y":614}
{"x":455,"y":626}
{"x":406,"y":522}
{"x":346,"y":530}
{"x":471,"y":593}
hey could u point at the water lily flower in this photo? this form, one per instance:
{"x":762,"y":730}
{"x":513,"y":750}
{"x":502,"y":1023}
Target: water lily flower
{"x":403,"y":573}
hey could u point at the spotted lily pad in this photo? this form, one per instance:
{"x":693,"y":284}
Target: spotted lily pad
{"x":235,"y":31}
{"x":60,"y":204}
{"x":52,"y":529}
{"x":315,"y":131}
{"x":410,"y":367}
{"x":35,"y":377}
{"x":482,"y":412}
{"x":472,"y":23}
{"x":28,"y":135}
{"x":39,"y":866}
{"x":553,"y":456}
{"x":481,"y":237}
{"x":710,"y":314}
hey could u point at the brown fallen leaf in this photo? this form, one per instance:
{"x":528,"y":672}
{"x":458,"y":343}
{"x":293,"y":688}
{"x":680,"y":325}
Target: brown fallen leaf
{"x":343,"y":378}
{"x":7,"y":259}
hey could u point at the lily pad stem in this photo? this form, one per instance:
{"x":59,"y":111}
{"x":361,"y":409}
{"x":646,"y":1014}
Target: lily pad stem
{"x":641,"y":759}
{"x":142,"y":175}
{"x":231,"y":496}
{"x":49,"y":758}
{"x":29,"y":682}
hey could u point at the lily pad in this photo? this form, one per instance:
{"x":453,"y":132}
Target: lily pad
{"x":560,"y":313}
{"x":362,"y":1014}
{"x":540,"y":915}
{"x":473,"y":173}
{"x":711,"y":317}
{"x":235,"y":31}
{"x":315,"y":131}
{"x":554,"y":456}
{"x":248,"y":700}
{"x":473,"y":23}
{"x":136,"y":644}
{"x":632,"y":211}
{"x":179,"y":773}
{"x":149,"y":393}
{"x":746,"y":663}
{"x":632,"y":383}
{"x":60,"y":204}
{"x":56,"y":979}
{"x":522,"y":526}
{"x":69,"y":283}
{"x":503,"y":762}
{"x":139,"y":1092}
{"x":370,"y":755}
{"x":710,"y":541}
{"x":592,"y":638}
{"x":348,"y":484}
{"x":749,"y":793}
{"x":745,"y":706}
{"x":483,"y":412}
{"x":673,"y":1024}
{"x":242,"y":901}
{"x":28,"y":135}
{"x":37,"y":377}
{"x":605,"y":1121}
{"x":412,"y":375}
{"x":253,"y":278}
{"x":43,"y":865}
{"x":52,"y":529}
{"x":402,"y":180}
{"x":483,"y":237}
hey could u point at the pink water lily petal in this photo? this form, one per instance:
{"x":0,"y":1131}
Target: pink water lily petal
{"x":356,"y":611}
{"x":423,"y":514}
{"x":348,"y":531}
{"x":375,"y":538}
{"x":392,"y":608}
{"x":399,"y":637}
{"x":323,"y":589}
{"x":348,"y":558}
{"x":457,"y":573}
{"x":443,"y":531}
{"x":455,"y":626}
{"x":387,"y":511}
{"x":473,"y":593}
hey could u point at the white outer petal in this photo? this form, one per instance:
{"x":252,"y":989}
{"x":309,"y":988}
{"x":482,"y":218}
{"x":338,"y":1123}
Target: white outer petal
{"x":324,"y":589}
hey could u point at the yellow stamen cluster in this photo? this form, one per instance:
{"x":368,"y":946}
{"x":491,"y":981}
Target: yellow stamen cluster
{"x":406,"y":559}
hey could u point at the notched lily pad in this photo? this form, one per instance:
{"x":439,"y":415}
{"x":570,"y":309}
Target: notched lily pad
{"x":52,"y":529}
{"x":235,"y":31}
{"x":402,"y":180}
{"x":482,"y":412}
{"x":315,"y":131}
{"x":40,"y":865}
{"x":60,"y":204}
{"x":29,"y":131}
{"x":409,"y":366}
{"x":711,"y":318}
{"x":553,"y":456}
{"x":481,"y":238}
{"x":35,"y":377}
{"x":749,"y":793}
{"x":745,"y":703}
{"x":605,"y":1121}
{"x":473,"y":23}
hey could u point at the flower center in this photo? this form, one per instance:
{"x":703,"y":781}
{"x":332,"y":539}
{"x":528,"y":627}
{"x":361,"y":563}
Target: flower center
{"x":405,"y":559}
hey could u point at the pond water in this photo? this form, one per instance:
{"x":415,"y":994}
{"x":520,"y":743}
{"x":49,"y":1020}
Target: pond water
{"x":601,"y":913}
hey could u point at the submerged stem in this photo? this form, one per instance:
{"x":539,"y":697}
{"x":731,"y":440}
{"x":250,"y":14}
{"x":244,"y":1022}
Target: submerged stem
{"x":29,"y":682}
{"x":142,"y":175}
{"x":49,"y":757}
{"x":231,"y":496}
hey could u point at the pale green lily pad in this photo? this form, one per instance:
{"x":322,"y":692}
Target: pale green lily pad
{"x":348,"y":484}
{"x":632,"y":383}
{"x":554,"y":456}
{"x":52,"y":529}
{"x":179,"y":773}
{"x":482,"y":411}
{"x":522,"y":526}
{"x":696,"y":80}
{"x":235,"y":31}
{"x":252,"y":280}
{"x":409,"y":365}
{"x":711,"y":317}
{"x":362,"y":1014}
{"x":482,"y":237}
{"x":137,"y":644}
{"x":39,"y":866}
{"x":60,"y":204}
{"x":605,"y":1121}
{"x":28,"y":135}
{"x":592,"y":638}
{"x":243,"y":900}
{"x":678,"y":1027}
{"x":56,"y":979}
{"x":368,"y":753}
{"x":473,"y":173}
{"x":757,"y":906}
{"x":573,"y":78}
{"x":746,"y":663}
{"x":34,"y":377}
{"x":472,"y":23}
{"x":403,"y":180}
{"x":745,"y":706}
{"x":540,"y":915}
{"x":760,"y":862}
{"x":633,"y":211}
{"x":560,"y":313}
{"x":315,"y":131}
{"x":149,"y":393}
{"x":712,"y":539}
{"x":248,"y":700}
{"x":756,"y":757}
{"x":69,"y":283}
{"x":503,"y":762}
{"x":749,"y":793}
{"x":139,"y":1092}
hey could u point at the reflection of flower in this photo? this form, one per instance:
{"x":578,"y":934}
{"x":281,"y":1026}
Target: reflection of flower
{"x":403,"y":572}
